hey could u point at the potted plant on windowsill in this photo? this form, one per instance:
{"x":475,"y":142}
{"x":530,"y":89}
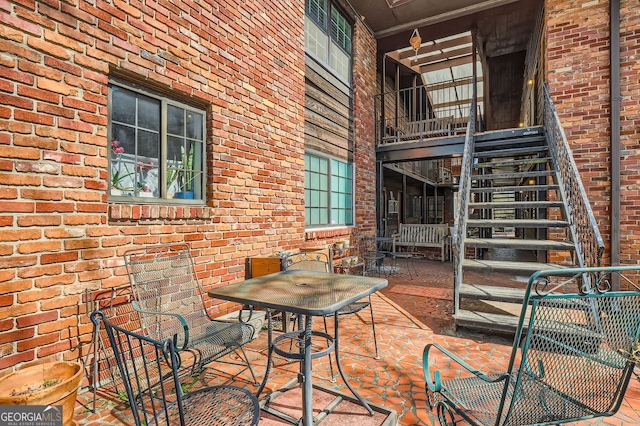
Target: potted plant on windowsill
{"x":180,"y":177}
{"x":48,"y":384}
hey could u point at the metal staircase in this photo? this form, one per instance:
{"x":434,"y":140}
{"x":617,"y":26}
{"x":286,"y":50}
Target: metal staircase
{"x":521,"y":209}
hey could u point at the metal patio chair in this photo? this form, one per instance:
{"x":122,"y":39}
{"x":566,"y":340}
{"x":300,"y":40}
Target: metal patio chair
{"x":170,"y":302}
{"x":572,"y":358}
{"x":372,"y":256}
{"x":406,"y":253}
{"x":149,"y":373}
{"x":320,"y":261}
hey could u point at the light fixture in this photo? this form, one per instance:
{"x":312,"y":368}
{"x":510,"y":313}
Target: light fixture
{"x":415,"y":41}
{"x":532,"y":181}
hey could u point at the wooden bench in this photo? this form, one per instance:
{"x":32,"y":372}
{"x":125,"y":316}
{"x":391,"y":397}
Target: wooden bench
{"x":428,"y":128}
{"x":424,"y":235}
{"x":440,"y":126}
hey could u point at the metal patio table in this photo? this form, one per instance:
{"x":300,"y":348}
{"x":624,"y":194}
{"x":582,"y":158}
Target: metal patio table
{"x":307,"y":294}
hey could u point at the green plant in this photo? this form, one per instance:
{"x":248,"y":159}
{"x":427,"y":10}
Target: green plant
{"x":122,"y":176}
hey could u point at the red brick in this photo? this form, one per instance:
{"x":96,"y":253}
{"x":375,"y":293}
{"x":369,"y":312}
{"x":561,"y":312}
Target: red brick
{"x":68,"y":256}
{"x":37,"y":342}
{"x":8,"y":361}
{"x":28,"y":321}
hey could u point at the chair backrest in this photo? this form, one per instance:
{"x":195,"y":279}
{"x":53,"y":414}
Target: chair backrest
{"x":367,"y":244}
{"x":574,"y":355}
{"x":149,"y":372}
{"x":163,"y":281}
{"x":308,"y":261}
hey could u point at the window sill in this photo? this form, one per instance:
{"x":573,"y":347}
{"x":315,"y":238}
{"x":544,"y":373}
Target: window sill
{"x":327,"y":233}
{"x":128,"y":212}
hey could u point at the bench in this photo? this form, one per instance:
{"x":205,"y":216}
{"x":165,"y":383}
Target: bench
{"x":423,"y":235}
{"x":428,"y":128}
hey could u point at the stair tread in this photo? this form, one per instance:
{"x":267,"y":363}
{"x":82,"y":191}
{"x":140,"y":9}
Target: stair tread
{"x":518,"y":244}
{"x":495,"y":293}
{"x":486,"y":321}
{"x":499,"y":265}
{"x":516,"y":204}
{"x":517,"y":223}
{"x":511,"y":151}
{"x":514,"y":175}
{"x":515,"y":188}
{"x":518,"y":162}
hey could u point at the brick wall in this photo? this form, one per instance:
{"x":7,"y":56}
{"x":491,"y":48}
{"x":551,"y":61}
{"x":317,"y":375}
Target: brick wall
{"x":59,"y":236}
{"x":578,"y":75}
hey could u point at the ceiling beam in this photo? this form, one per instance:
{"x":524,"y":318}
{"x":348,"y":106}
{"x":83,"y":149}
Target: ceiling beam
{"x":469,"y":10}
{"x":431,"y":59}
{"x":432,"y":47}
{"x":456,"y":103}
{"x":446,"y":64}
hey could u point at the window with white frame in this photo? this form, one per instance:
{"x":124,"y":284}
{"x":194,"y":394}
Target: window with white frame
{"x":156,"y":147}
{"x":328,"y":36}
{"x":328,"y":191}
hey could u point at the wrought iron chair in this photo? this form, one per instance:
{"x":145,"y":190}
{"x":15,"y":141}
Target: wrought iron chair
{"x":321,"y":261}
{"x":169,"y":301}
{"x":408,"y":254}
{"x":149,"y":372}
{"x":572,"y":356}
{"x":371,"y":255}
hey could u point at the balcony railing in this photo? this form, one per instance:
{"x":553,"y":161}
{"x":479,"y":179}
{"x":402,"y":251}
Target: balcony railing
{"x":423,"y":112}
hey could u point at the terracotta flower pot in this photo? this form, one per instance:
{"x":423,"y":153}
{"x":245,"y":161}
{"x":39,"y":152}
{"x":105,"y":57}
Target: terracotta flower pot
{"x":52,"y":383}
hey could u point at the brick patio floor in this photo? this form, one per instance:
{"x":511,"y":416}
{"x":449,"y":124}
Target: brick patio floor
{"x":409,"y":314}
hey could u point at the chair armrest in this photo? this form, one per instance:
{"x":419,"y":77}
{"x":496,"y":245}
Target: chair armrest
{"x":243,"y":321}
{"x":174,"y":330}
{"x":435,"y":385}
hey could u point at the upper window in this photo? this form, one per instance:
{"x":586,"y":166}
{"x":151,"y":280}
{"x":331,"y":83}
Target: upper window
{"x":157,"y":147}
{"x":328,"y":36}
{"x":328,"y":192}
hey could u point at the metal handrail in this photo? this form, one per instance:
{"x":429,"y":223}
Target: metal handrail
{"x":462,"y":211}
{"x":583,"y":225}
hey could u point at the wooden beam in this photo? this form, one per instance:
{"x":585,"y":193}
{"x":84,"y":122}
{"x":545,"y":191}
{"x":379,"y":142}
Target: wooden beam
{"x":465,"y":51}
{"x":432,"y":47}
{"x":446,"y":64}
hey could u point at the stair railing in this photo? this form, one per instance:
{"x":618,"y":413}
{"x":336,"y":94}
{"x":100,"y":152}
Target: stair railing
{"x":462,"y":211}
{"x":584,"y":229}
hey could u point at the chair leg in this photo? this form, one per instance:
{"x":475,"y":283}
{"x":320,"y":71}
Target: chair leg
{"x":246,"y":359}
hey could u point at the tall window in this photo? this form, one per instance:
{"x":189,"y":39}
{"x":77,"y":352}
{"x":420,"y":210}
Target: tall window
{"x":328,"y":192}
{"x":328,"y":36}
{"x":157,"y":147}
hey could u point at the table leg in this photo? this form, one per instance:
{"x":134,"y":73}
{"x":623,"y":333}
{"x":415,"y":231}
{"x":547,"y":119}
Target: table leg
{"x":305,"y":375}
{"x":269,"y":353}
{"x":346,"y":382}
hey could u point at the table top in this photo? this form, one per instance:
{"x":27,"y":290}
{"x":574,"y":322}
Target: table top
{"x":301,"y":292}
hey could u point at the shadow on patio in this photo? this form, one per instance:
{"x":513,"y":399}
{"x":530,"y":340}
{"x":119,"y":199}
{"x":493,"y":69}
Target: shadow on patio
{"x":409,"y":314}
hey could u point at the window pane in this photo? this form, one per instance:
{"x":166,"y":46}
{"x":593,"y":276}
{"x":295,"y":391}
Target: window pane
{"x":123,"y":106}
{"x":315,"y":40}
{"x":175,"y":120}
{"x":148,"y":113}
{"x":148,"y":144}
{"x":340,"y":62}
{"x":194,"y":125}
{"x":317,"y":9}
{"x":125,"y":139}
{"x":340,"y":30}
